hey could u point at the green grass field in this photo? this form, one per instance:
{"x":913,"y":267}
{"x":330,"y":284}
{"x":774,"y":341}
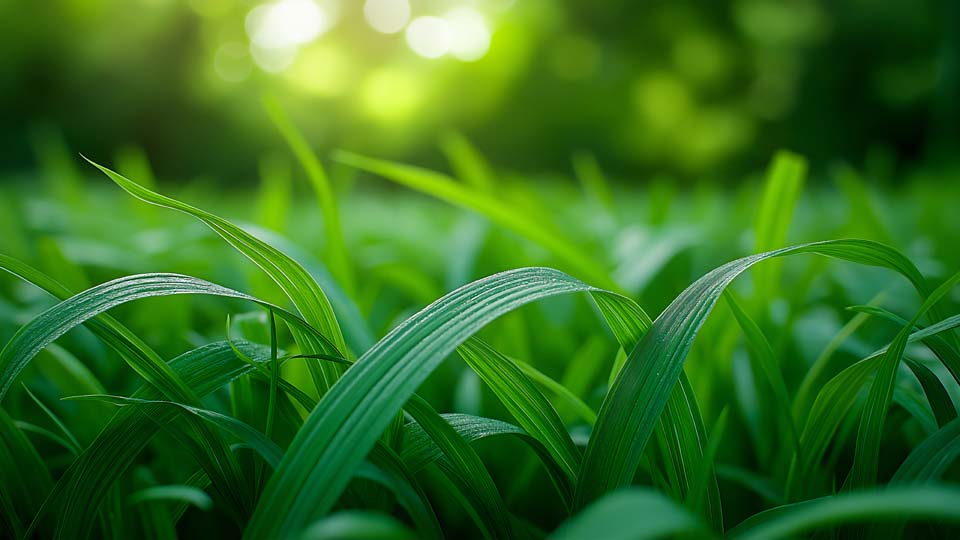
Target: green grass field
{"x":390,"y":352}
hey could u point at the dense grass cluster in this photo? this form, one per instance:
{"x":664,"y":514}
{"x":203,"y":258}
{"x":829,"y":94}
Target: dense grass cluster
{"x":638,"y":390}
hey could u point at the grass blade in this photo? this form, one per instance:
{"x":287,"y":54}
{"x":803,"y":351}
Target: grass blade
{"x":893,"y":504}
{"x":349,"y":419}
{"x":614,"y":517}
{"x":524,"y":401}
{"x":289,"y":275}
{"x":336,"y":250}
{"x":445,"y":188}
{"x":631,"y":409}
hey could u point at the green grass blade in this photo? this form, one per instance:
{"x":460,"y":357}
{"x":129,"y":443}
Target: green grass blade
{"x":336,"y":250}
{"x":445,"y":188}
{"x":564,"y":396}
{"x":388,"y":468}
{"x":930,"y":502}
{"x":805,"y":395}
{"x":289,"y":275}
{"x":936,"y":394}
{"x":832,"y":404}
{"x":940,"y":346}
{"x":82,"y":488}
{"x":532,"y":411}
{"x":23,"y":475}
{"x":419,"y":450}
{"x":631,"y":409}
{"x":631,"y":514}
{"x":783,"y":185}
{"x":764,"y":356}
{"x":467,"y":162}
{"x":268,"y":450}
{"x":465,"y":469}
{"x":57,"y":320}
{"x":931,"y":457}
{"x":867,"y":456}
{"x":349,"y":419}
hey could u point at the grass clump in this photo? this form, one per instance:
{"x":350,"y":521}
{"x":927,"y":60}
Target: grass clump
{"x":580,"y":414}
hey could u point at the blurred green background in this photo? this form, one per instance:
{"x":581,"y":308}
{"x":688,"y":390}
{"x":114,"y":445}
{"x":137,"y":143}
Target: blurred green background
{"x":680,"y":88}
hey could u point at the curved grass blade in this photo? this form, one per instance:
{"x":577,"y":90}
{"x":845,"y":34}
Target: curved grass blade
{"x":465,"y":469}
{"x":388,"y":468}
{"x":631,"y":409}
{"x":443,"y":187}
{"x":23,"y":475}
{"x":936,"y":394}
{"x":931,"y":457}
{"x":350,"y":418}
{"x":867,"y":454}
{"x":768,"y":366}
{"x":268,"y":450}
{"x":832,"y":404}
{"x":289,"y":275}
{"x":57,"y":320}
{"x":615,"y":517}
{"x":79,"y":493}
{"x":532,"y":411}
{"x":419,"y":450}
{"x":929,"y":502}
{"x":336,"y":249}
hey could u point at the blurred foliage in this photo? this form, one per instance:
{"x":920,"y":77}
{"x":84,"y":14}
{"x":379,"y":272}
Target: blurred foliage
{"x":682,"y":87}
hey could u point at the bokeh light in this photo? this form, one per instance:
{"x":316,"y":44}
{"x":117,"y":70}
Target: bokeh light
{"x":429,"y":36}
{"x":286,"y":23}
{"x":469,"y":34}
{"x":387,"y":16}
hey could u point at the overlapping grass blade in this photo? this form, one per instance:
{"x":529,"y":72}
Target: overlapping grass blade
{"x":349,"y":419}
{"x":532,"y":411}
{"x":289,"y":275}
{"x":23,"y":475}
{"x":832,"y":404}
{"x":445,"y":188}
{"x":82,"y":488}
{"x":867,"y":456}
{"x":57,"y":320}
{"x":465,"y":469}
{"x":268,"y":450}
{"x":631,"y":409}
{"x":389,"y":469}
{"x":419,"y":450}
